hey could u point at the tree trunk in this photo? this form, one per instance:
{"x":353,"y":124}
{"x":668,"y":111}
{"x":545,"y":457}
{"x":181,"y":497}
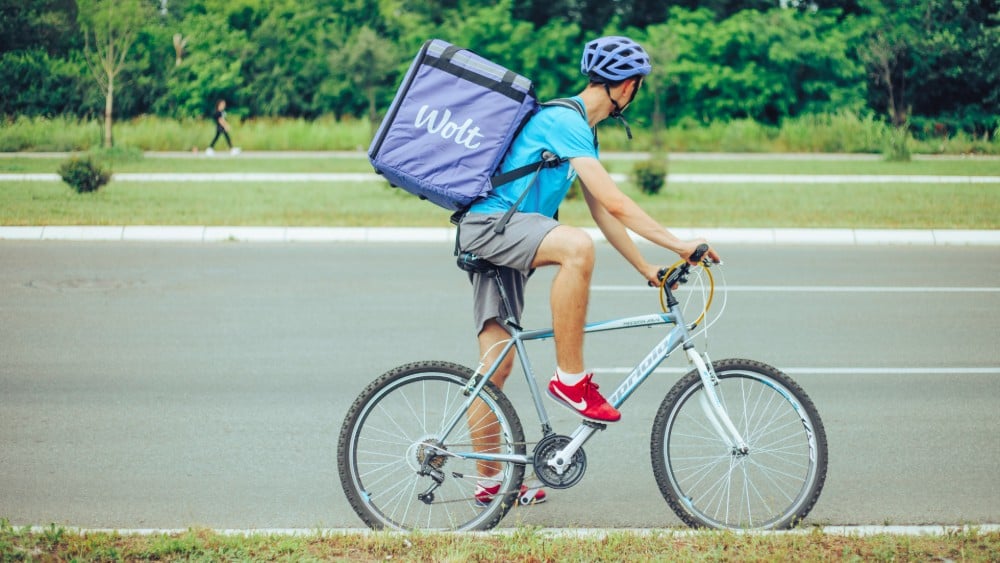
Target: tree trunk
{"x":109,"y":100}
{"x":658,"y":120}
{"x":372,"y":117}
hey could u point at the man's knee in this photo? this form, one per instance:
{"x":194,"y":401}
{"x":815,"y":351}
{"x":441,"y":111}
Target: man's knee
{"x":567,"y":246}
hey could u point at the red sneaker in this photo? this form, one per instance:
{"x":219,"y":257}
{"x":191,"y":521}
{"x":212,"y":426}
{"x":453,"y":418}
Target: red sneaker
{"x":583,"y":399}
{"x":484,"y":495}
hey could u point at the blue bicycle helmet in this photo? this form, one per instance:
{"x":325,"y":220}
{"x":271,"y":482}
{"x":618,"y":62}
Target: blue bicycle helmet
{"x":613,"y":59}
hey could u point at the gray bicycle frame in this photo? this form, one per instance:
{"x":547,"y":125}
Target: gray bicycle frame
{"x":678,"y":336}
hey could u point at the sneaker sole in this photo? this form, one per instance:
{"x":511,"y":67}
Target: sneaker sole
{"x":563,"y":403}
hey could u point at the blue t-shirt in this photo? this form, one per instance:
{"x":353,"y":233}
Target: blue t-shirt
{"x":561,"y":130}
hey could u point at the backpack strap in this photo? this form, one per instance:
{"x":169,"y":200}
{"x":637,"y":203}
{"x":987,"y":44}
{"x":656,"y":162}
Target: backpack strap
{"x":574,"y":105}
{"x":521,"y":172}
{"x":547,"y":160}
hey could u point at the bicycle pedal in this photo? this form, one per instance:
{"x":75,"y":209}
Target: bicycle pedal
{"x":531,"y":497}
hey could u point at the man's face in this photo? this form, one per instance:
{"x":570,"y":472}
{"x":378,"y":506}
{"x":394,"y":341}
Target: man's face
{"x":637,"y":83}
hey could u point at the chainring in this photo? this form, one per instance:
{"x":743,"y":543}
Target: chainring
{"x":545,"y":450}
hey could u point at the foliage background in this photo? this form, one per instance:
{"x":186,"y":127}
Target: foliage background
{"x":765,"y":61}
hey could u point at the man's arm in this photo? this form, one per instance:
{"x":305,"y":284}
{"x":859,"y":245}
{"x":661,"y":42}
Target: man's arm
{"x":613,"y":211}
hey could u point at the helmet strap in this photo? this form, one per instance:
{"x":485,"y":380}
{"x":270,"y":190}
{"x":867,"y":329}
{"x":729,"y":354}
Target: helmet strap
{"x":617,"y":113}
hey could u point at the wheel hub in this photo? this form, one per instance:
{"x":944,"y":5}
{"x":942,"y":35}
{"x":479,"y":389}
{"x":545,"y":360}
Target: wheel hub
{"x":426,"y":452}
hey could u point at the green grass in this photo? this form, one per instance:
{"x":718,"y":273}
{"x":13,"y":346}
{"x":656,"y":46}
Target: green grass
{"x":843,"y":133}
{"x":323,"y":203}
{"x":320,"y":163}
{"x":519,"y":545}
{"x":889,"y":206}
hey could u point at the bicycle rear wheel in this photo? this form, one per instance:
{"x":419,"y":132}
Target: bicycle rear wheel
{"x":398,"y":470}
{"x":708,"y":483}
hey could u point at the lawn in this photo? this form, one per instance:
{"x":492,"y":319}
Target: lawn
{"x":328,"y":203}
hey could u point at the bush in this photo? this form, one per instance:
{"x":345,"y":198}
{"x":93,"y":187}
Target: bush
{"x":650,"y":175}
{"x":84,"y":175}
{"x":898,"y":145}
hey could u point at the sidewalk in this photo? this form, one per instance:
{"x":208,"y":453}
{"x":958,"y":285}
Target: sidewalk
{"x":203,"y":234}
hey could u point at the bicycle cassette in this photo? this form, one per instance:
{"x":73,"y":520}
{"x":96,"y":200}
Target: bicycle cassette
{"x":546,"y":450}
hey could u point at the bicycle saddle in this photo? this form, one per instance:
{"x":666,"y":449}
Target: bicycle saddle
{"x":474,"y":264}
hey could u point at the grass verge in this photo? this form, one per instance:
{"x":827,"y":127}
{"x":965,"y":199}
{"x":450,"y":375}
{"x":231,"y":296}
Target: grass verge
{"x":520,"y":545}
{"x":884,"y":206}
{"x":843,"y":132}
{"x":318,"y":164}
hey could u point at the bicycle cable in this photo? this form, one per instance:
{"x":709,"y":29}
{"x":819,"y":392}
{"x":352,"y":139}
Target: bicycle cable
{"x":701,"y":272}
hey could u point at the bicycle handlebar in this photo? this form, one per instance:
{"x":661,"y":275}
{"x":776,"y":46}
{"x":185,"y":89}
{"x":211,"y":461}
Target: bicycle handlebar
{"x":679,"y":274}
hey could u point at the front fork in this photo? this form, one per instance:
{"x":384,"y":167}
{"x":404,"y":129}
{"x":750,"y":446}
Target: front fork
{"x":711,"y":404}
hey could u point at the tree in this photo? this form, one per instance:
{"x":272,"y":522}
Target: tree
{"x":764,"y":66}
{"x":885,"y":54}
{"x":367,"y":60}
{"x":48,"y":25}
{"x":934,"y":61}
{"x":659,"y":43}
{"x":110,"y":28}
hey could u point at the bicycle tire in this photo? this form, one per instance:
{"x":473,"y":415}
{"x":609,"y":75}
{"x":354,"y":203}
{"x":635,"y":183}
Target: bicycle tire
{"x":392,"y":428}
{"x":707,"y":483}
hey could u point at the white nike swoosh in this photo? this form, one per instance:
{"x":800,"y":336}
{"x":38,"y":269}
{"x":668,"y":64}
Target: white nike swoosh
{"x":578,"y":405}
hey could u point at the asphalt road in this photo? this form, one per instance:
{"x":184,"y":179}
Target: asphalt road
{"x":171,"y":385}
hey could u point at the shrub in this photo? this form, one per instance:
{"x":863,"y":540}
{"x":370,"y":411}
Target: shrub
{"x":650,"y":175}
{"x":84,"y":175}
{"x":898,"y":145}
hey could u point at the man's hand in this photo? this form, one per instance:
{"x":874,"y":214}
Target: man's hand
{"x":691,"y":246}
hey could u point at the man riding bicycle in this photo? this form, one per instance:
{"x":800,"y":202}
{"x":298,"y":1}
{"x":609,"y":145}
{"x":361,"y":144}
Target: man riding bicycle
{"x":615,"y":67}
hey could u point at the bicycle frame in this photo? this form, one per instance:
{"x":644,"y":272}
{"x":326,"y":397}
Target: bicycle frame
{"x":679,"y":336}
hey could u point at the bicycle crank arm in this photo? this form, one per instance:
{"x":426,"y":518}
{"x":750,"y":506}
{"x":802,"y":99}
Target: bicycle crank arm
{"x":564,"y":457}
{"x":713,"y":408}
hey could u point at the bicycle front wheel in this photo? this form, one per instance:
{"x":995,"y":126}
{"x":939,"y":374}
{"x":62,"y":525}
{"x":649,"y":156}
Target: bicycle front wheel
{"x":710,"y":483}
{"x":399,"y":470}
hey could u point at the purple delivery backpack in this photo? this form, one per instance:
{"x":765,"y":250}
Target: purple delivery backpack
{"x":450,"y":125}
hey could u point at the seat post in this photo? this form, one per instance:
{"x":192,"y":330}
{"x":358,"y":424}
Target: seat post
{"x":474,"y":264}
{"x":510,"y":321}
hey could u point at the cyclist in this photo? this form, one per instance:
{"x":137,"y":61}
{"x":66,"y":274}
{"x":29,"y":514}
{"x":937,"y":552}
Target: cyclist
{"x":615,"y":67}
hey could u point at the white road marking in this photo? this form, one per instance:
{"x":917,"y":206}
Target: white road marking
{"x":817,"y":289}
{"x":835,"y":370}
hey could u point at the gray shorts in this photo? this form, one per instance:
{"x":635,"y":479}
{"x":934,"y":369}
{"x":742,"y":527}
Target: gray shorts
{"x":514,"y":251}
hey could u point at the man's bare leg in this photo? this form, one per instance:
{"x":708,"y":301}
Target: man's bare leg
{"x":483,"y":425}
{"x":572,"y":250}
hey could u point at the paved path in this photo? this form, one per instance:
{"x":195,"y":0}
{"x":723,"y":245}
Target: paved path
{"x":166,"y":385}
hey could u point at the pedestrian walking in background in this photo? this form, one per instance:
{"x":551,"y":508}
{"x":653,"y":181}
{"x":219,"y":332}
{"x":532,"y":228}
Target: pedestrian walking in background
{"x":221,"y":128}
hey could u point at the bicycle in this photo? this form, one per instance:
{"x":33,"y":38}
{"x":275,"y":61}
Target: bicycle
{"x":736,"y":444}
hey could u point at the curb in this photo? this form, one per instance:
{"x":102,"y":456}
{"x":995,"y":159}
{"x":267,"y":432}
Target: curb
{"x":203,"y":234}
{"x":849,"y":531}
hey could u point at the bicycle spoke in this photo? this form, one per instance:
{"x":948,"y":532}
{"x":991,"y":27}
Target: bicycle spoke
{"x":403,"y":472}
{"x":707,"y":482}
